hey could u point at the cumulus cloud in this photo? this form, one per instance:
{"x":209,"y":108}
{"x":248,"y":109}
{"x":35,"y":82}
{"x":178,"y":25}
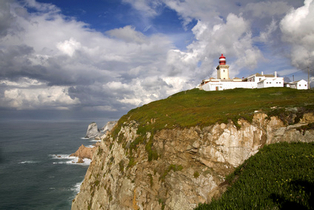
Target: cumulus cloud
{"x":28,"y":96}
{"x":128,"y":34}
{"x":69,"y":46}
{"x":232,"y":38}
{"x":298,"y":30}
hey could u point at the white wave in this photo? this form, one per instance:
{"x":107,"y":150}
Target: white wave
{"x":84,"y":138}
{"x":74,"y":161}
{"x":90,"y":146}
{"x":76,"y":187}
{"x":61,"y":156}
{"x":28,"y":162}
{"x":94,"y":140}
{"x":87,"y":161}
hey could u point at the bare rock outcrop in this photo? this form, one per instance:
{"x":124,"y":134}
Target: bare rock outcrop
{"x":109,"y":125}
{"x":176,"y":168}
{"x":92,"y":131}
{"x":107,"y":128}
{"x":84,"y":152}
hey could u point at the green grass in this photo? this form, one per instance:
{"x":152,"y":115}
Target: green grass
{"x":200,"y":108}
{"x":279,"y":176}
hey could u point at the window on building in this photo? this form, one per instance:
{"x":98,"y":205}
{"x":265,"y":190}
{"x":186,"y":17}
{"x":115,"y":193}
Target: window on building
{"x":223,"y":70}
{"x":269,"y":82}
{"x":299,"y":85}
{"x":260,"y":79}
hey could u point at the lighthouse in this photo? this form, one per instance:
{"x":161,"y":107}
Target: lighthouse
{"x":222,"y":69}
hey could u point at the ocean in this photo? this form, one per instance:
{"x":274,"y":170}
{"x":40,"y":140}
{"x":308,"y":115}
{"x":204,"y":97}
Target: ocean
{"x":35,"y":169}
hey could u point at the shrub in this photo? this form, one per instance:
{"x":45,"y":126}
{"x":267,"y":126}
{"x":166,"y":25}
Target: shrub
{"x":121,"y":166}
{"x":151,"y":151}
{"x":131,"y":162}
{"x":196,"y":174}
{"x":168,"y":169}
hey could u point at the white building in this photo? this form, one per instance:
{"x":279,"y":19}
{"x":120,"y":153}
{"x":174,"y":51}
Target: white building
{"x":223,"y":82}
{"x":300,"y":84}
{"x":210,"y":85}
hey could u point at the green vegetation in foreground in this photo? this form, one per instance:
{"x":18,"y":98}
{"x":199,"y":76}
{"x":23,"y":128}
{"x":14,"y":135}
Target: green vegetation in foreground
{"x":279,"y":176}
{"x":202,"y":108}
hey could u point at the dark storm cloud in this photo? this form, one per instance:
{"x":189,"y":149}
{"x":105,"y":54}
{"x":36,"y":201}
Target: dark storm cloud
{"x":6,"y":18}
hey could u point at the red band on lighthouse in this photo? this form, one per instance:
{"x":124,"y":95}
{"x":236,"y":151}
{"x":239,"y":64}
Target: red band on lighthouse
{"x":222,"y":60}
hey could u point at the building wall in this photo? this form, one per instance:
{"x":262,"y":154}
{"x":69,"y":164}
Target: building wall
{"x":302,"y":85}
{"x":212,"y":86}
{"x":271,"y":82}
{"x":223,"y":72}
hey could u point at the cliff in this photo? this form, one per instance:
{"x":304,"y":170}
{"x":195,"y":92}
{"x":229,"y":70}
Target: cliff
{"x":142,"y":165}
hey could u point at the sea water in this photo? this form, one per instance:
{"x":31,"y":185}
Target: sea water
{"x":36,"y":171}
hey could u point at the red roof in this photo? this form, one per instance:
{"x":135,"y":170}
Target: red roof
{"x":222,"y":56}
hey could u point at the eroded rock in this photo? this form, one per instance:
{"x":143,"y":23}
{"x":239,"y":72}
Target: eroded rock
{"x":92,"y":131}
{"x":84,"y":152}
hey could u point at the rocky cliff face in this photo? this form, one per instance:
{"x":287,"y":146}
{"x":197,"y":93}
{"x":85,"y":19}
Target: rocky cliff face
{"x":177,"y":168}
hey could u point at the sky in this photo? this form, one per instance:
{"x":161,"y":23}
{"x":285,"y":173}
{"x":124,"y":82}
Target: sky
{"x":79,"y":59}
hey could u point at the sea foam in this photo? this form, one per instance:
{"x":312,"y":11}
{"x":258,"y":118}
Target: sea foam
{"x":94,"y":140}
{"x":28,"y":162}
{"x":71,"y":160}
{"x":76,"y":187}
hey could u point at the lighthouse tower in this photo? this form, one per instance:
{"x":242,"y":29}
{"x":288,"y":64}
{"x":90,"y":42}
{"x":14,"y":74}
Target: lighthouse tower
{"x":222,"y":68}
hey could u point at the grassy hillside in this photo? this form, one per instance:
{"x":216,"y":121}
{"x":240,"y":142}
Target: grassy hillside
{"x":279,"y":176}
{"x":197,"y":107}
